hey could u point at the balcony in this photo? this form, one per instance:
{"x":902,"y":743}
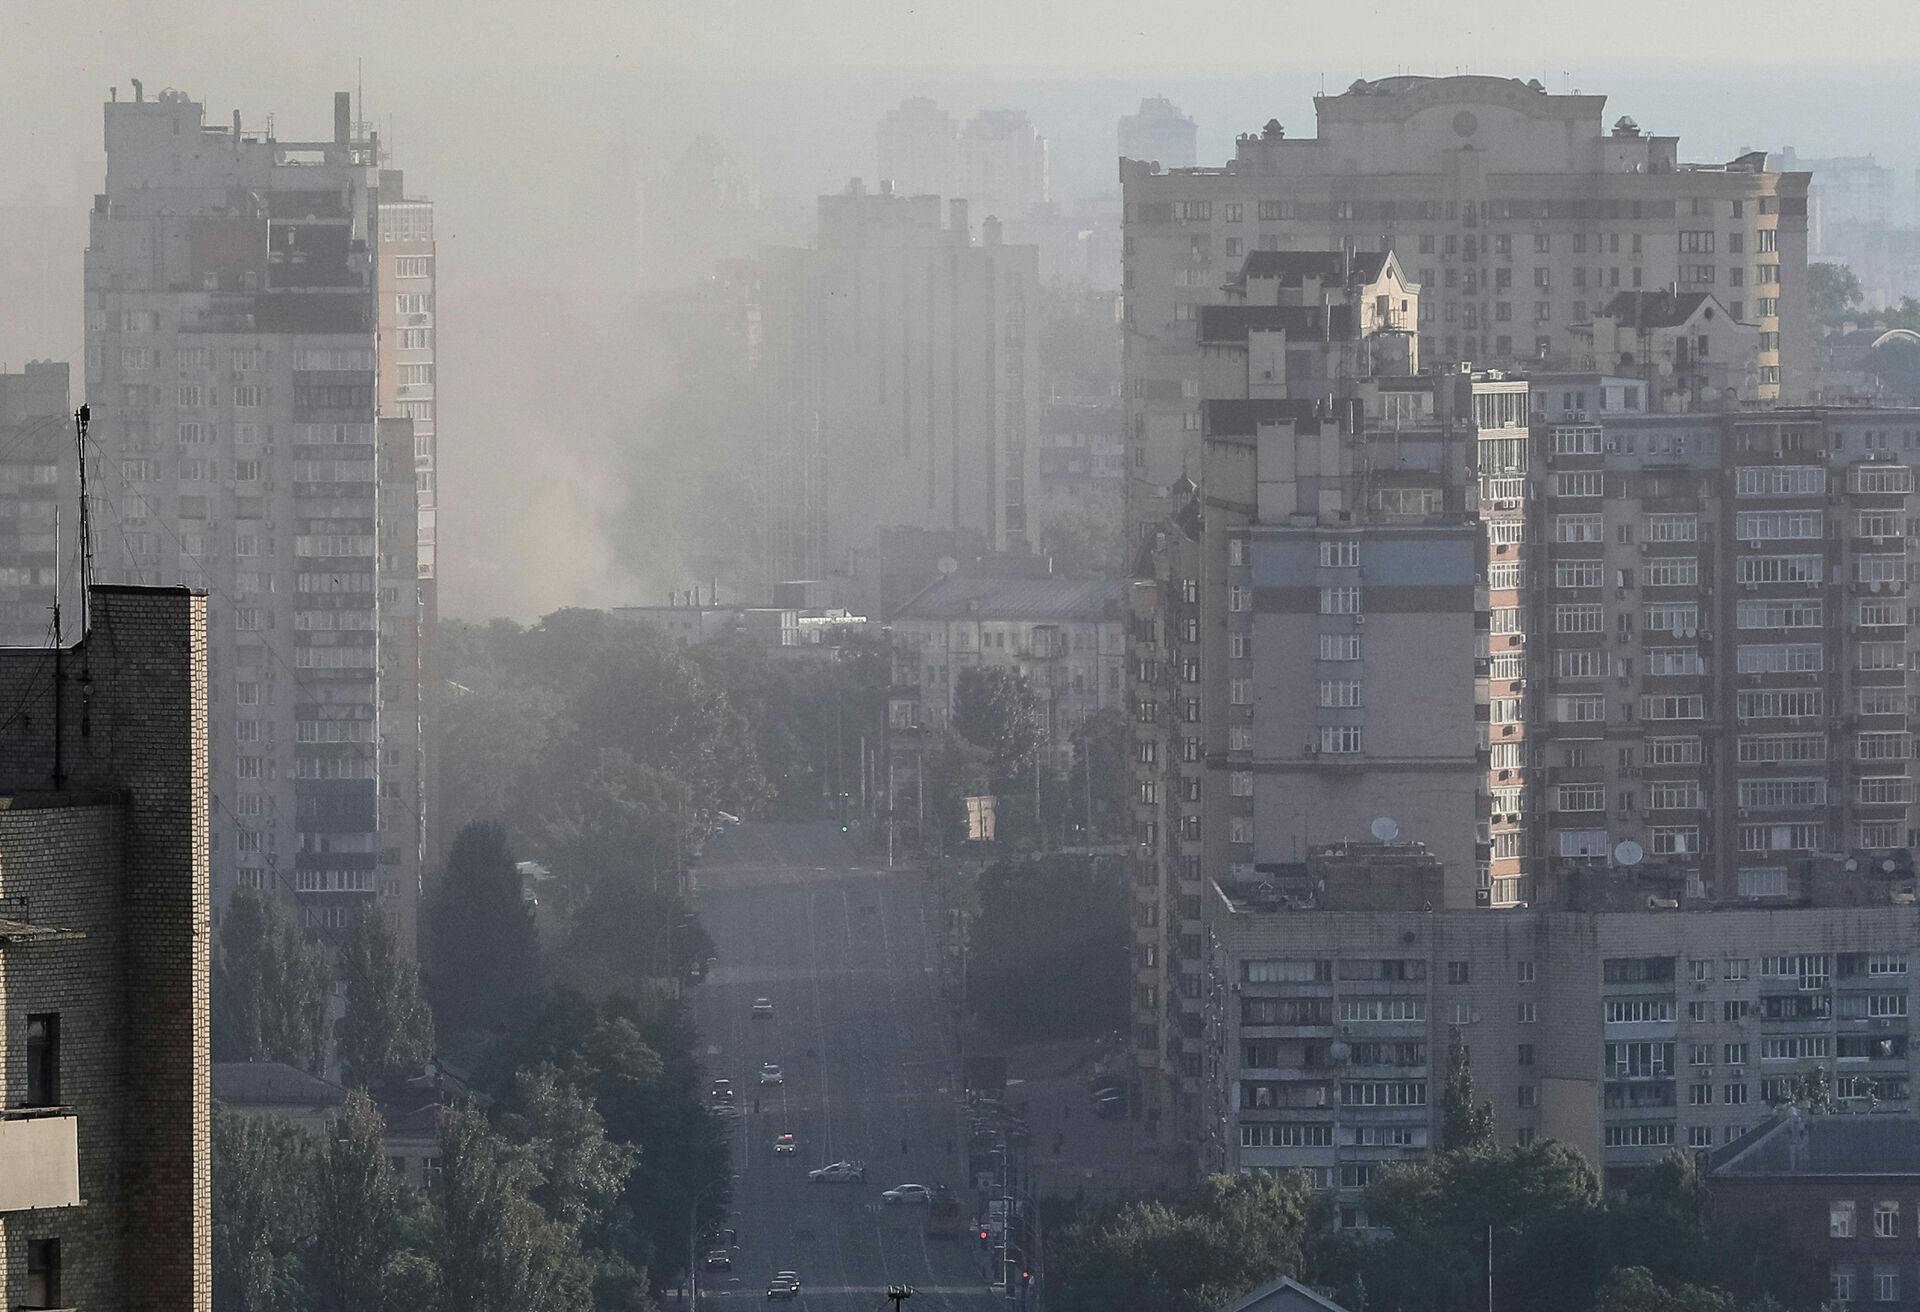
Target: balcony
{"x":39,"y":1159}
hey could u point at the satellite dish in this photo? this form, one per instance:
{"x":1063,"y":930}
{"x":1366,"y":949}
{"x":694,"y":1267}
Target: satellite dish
{"x":1626,"y":852}
{"x":948,"y":565}
{"x":1887,"y":865}
{"x":1852,"y":865}
{"x":1384,"y":828}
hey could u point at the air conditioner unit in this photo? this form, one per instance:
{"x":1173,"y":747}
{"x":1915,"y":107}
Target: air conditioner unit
{"x":1359,"y":620}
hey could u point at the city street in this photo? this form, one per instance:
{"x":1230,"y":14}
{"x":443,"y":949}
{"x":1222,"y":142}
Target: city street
{"x":842,"y":947}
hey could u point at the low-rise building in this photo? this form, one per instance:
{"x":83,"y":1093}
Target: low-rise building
{"x":1841,"y":1191}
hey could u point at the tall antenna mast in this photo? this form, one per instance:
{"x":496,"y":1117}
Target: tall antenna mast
{"x":80,"y":421}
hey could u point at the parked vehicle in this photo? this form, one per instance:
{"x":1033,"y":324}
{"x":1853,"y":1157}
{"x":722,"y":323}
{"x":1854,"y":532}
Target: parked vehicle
{"x":839,"y":1173}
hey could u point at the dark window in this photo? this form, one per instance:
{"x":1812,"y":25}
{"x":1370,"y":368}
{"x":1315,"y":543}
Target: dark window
{"x":43,"y":1273}
{"x":43,"y":1059}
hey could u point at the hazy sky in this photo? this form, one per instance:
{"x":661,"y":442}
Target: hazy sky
{"x":532,"y":124}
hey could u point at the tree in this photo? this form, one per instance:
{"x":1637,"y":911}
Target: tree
{"x":581,"y":1171}
{"x":995,"y":710}
{"x":1087,"y":537}
{"x":1633,"y":1289}
{"x":272,"y":983}
{"x":498,"y":1252}
{"x":1051,"y":947}
{"x":1190,"y":1254}
{"x":1833,"y":292}
{"x":362,"y":1209}
{"x":1104,"y":747}
{"x":484,"y":954}
{"x":619,"y":822}
{"x":1465,"y":1126}
{"x":262,"y":1212}
{"x":387,"y":1029}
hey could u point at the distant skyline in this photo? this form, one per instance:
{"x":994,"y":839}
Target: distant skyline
{"x":533,"y":127}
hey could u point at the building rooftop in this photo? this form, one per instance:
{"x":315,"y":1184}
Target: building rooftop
{"x":1660,"y":309}
{"x":1243,"y":418}
{"x":1282,"y":1295}
{"x":272,"y":1084}
{"x":1293,"y":267}
{"x":1037,"y":600}
{"x":1231,"y":323}
{"x":1794,"y":1143}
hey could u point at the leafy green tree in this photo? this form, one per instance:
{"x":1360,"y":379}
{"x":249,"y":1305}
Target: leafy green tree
{"x":581,"y":1171}
{"x":1190,"y":1254}
{"x":262,"y":1213}
{"x":271,"y":984}
{"x":498,"y":1252}
{"x":1465,"y":1125}
{"x":1087,"y":537}
{"x":622,"y":822}
{"x":363,"y":1213}
{"x":995,"y":710}
{"x":1897,"y":365}
{"x":1833,"y":293}
{"x":484,"y":956}
{"x":1050,"y":947}
{"x":387,"y":1029}
{"x":1104,"y":749}
{"x":1633,"y":1289}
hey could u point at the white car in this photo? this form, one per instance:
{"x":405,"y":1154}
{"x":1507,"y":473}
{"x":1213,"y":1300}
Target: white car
{"x":770,"y":1073}
{"x":783,"y":1146}
{"x":763,"y":1008}
{"x":908,"y":1193}
{"x":839,"y":1173}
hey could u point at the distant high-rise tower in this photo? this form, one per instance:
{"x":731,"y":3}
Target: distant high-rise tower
{"x":1005,"y":170}
{"x":919,"y":145}
{"x":36,"y":491}
{"x":234,"y":288}
{"x":1161,"y":133}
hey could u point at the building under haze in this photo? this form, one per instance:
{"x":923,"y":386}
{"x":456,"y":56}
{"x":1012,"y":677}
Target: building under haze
{"x":233,"y":290}
{"x":37,"y":490}
{"x":899,"y":384}
{"x":1518,"y":213}
{"x":1005,"y":168}
{"x":919,"y":145}
{"x":105,"y":1143}
{"x":1160,"y":133}
{"x":1603,"y":1018}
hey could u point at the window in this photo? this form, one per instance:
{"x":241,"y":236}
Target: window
{"x":1578,"y":528}
{"x":43,"y":1059}
{"x":1523,"y":972}
{"x":1340,"y":601}
{"x":1886,"y":1220}
{"x":1583,"y":617}
{"x":1840,"y":1283}
{"x":1339,"y":693}
{"x":43,"y":1273}
{"x":1886,"y":1284}
{"x":1340,"y":554}
{"x":1339,"y":647}
{"x":1340,"y":739}
{"x":1525,"y":1014}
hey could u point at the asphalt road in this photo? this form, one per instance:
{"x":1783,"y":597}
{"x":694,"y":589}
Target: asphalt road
{"x":843,"y":948}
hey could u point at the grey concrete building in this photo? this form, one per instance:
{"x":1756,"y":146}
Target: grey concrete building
{"x":105,"y":1132}
{"x":233,"y":282}
{"x":1159,"y":133}
{"x":1624,"y":1028}
{"x":1516,"y":211}
{"x":37,"y":488}
{"x":899,"y":384}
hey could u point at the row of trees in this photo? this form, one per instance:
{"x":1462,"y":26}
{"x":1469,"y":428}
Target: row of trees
{"x":1531,"y":1218}
{"x":1051,"y":947}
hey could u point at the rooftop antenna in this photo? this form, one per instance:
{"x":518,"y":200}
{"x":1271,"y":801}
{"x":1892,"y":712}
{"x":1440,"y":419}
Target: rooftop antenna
{"x":80,"y":420}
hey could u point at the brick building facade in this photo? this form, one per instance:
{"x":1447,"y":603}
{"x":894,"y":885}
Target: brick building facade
{"x":105,"y":1147}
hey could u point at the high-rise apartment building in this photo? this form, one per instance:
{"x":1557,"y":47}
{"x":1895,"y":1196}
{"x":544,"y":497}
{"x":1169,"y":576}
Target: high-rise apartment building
{"x":919,"y":146}
{"x":1712,"y":619}
{"x":1627,"y":1032}
{"x":1161,"y":134}
{"x":1005,"y":165}
{"x":1518,"y":214}
{"x":899,"y":383}
{"x":233,"y":285}
{"x":36,"y":491}
{"x":106,"y":1180}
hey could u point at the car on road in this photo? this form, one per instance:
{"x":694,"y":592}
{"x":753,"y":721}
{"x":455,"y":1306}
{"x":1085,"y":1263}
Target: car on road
{"x":719,"y":1259}
{"x":720,"y":1091}
{"x":784,"y":1287}
{"x":763,"y":1008}
{"x":907,"y":1193}
{"x":783,"y":1146}
{"x":770,"y":1073}
{"x":839,"y":1173}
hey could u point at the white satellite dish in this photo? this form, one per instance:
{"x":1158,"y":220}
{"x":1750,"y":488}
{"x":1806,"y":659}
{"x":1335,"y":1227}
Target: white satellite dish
{"x":1384,"y":828}
{"x":1626,"y":852}
{"x":1852,"y":865}
{"x":948,"y":565}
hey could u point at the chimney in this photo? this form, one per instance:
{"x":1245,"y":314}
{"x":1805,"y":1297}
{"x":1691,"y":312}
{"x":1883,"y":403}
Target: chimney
{"x":342,"y":117}
{"x":139,"y":92}
{"x":236,"y":125}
